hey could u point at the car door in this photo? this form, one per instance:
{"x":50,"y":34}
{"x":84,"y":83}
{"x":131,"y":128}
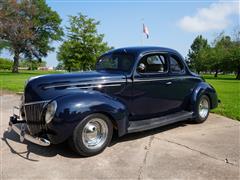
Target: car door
{"x":151,"y":92}
{"x":182,"y":84}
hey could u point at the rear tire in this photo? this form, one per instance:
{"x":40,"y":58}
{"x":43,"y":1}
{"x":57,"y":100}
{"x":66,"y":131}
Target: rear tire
{"x":92,"y":135}
{"x":202,"y":109}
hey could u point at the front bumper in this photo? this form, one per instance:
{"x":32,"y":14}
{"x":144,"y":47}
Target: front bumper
{"x":15,"y":119}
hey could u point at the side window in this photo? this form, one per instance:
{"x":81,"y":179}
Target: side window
{"x":154,"y":63}
{"x":175,"y":65}
{"x":108,"y":62}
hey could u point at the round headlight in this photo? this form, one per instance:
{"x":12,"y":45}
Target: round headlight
{"x":51,"y":109}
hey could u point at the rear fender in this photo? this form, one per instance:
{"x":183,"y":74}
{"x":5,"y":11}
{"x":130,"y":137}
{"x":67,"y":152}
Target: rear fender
{"x":73,"y":108}
{"x":198,"y":91}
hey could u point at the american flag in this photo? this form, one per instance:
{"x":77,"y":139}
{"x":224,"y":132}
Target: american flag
{"x":145,"y":31}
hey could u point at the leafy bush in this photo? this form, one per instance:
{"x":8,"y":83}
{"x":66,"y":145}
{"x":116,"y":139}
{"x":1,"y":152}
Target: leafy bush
{"x":5,"y":64}
{"x":32,"y":64}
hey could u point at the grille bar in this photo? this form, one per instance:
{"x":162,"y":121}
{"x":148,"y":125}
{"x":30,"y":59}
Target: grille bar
{"x":33,"y":115}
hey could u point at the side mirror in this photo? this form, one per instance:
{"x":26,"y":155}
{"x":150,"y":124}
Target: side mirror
{"x":141,"y":68}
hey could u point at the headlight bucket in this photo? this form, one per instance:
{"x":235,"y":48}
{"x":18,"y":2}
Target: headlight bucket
{"x":50,"y":111}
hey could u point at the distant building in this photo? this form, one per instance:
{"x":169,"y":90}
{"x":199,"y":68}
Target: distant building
{"x":45,"y":68}
{"x":23,"y":68}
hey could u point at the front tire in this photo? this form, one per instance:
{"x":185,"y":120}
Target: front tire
{"x":92,"y":135}
{"x":202,"y":109}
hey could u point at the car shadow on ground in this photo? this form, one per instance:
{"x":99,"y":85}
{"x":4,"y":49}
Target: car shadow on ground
{"x":143,"y":134}
{"x":65,"y":151}
{"x":11,"y":139}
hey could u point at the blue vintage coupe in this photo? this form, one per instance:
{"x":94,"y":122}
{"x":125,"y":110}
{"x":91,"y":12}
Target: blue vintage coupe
{"x":133,"y":89}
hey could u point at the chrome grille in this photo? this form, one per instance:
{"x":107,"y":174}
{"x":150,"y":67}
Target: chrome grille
{"x":33,"y":115}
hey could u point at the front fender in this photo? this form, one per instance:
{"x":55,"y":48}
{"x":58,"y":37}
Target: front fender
{"x":72,"y":108}
{"x":199,"y":90}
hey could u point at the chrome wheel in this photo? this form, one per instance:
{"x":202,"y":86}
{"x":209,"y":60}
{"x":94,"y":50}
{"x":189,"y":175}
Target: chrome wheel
{"x":95,"y":133}
{"x":203,"y":108}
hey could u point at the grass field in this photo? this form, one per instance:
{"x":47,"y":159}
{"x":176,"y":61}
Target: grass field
{"x":227,"y":87}
{"x":15,"y":82}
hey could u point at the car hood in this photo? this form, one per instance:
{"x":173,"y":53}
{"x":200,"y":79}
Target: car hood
{"x":47,"y":87}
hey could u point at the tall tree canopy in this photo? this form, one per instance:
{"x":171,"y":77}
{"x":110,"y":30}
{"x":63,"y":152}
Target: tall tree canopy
{"x":197,"y":60}
{"x":27,"y":27}
{"x":222,"y":56}
{"x":83,"y":44}
{"x":234,"y":54}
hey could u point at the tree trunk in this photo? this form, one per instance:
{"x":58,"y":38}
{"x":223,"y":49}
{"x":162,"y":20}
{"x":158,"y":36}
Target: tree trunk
{"x":216,"y":73}
{"x":84,"y":67}
{"x":15,"y":63}
{"x":238,"y":73}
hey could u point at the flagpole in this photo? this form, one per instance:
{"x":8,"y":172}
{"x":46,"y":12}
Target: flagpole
{"x":142,"y":22}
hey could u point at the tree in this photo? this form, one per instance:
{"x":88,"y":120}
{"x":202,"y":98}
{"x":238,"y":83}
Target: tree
{"x":195,"y":59}
{"x":214,"y":60}
{"x":200,"y":62}
{"x":226,"y":55}
{"x":235,"y":53}
{"x":222,"y":48}
{"x":222,"y":56}
{"x":27,"y":27}
{"x":60,"y":66}
{"x":235,"y":58}
{"x":83,"y":44}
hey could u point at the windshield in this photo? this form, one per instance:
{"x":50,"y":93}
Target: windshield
{"x":119,"y":62}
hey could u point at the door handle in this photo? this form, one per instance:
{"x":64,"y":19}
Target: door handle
{"x":168,"y":83}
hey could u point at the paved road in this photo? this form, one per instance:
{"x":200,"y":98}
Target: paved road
{"x":181,"y":151}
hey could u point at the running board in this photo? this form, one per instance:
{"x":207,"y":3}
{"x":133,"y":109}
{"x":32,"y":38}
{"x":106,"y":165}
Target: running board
{"x":142,"y":125}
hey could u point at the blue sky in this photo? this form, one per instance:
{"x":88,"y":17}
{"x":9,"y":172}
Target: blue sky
{"x":171,"y":24}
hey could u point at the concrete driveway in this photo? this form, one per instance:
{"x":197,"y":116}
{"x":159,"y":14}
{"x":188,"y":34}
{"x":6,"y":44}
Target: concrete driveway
{"x":181,"y":151}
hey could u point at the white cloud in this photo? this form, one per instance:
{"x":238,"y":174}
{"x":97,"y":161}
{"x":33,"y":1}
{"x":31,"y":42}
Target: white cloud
{"x":214,"y":17}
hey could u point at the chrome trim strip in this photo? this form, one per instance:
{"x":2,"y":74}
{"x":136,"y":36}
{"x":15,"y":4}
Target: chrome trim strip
{"x":159,"y":79}
{"x":129,"y":80}
{"x":97,"y":86}
{"x":83,"y":83}
{"x":35,"y":102}
{"x":25,"y":113}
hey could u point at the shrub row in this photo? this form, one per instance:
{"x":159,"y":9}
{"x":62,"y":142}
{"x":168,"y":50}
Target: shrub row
{"x":5,"y":64}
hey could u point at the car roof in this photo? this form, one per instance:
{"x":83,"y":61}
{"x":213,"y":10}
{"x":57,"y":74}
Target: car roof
{"x":142,"y":50}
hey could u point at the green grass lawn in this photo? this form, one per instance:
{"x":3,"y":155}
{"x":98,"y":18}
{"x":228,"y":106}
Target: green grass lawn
{"x":227,"y":87}
{"x":16,"y":82}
